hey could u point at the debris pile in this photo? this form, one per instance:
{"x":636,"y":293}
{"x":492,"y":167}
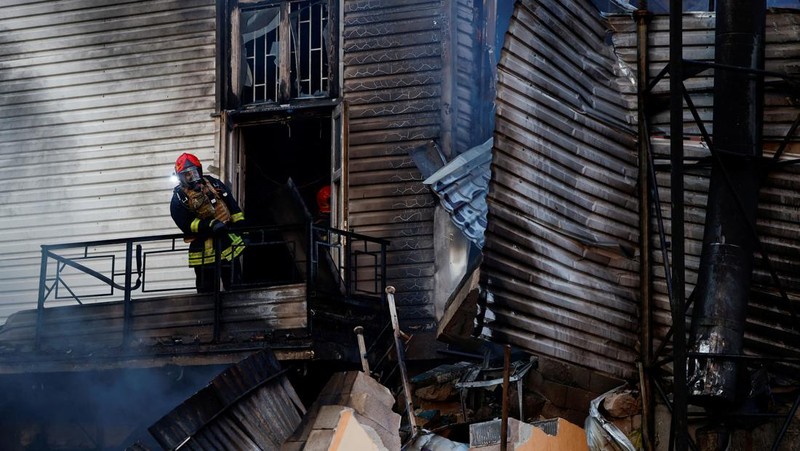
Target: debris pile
{"x":458,"y":406}
{"x":353,"y":411}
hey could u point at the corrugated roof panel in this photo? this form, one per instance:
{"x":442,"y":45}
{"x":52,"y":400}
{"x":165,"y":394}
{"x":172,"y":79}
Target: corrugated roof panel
{"x":563,"y":213}
{"x":251,"y":405}
{"x":462,"y":185}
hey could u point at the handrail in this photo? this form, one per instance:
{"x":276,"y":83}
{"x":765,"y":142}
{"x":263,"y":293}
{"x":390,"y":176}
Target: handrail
{"x":329,"y":266}
{"x":96,"y":274}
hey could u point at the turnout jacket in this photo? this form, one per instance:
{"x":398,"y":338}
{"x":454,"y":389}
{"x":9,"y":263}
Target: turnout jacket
{"x":196,"y":212}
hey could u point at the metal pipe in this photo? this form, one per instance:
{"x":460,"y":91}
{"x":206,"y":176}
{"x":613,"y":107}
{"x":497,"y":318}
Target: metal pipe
{"x":786,"y":422}
{"x":729,"y":241}
{"x":504,"y":417}
{"x":217,"y":289}
{"x":362,"y":348}
{"x":647,"y":415}
{"x":642,"y":16}
{"x":400,"y":350}
{"x":127,"y":305}
{"x":311,"y":268}
{"x":40,"y":301}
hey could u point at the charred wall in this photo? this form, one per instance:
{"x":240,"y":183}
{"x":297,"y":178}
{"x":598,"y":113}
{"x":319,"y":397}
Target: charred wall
{"x":559,"y":258}
{"x":771,"y":325}
{"x":561,"y":243}
{"x":393,"y":84}
{"x":415,"y":72}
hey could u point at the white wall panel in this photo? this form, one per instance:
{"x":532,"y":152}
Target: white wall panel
{"x":98,"y":99}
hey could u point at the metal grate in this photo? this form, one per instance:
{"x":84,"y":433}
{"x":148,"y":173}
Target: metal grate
{"x":309,"y":55}
{"x":261,"y":53}
{"x":484,"y":434}
{"x":261,"y":30}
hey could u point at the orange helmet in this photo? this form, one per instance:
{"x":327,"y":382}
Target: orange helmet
{"x":324,"y":199}
{"x":188,"y":169}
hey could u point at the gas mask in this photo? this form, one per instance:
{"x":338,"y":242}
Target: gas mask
{"x":190,"y":177}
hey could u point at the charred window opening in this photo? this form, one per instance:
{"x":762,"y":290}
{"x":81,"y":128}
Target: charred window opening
{"x":284,"y":124}
{"x":293,"y":152}
{"x":285,"y":49}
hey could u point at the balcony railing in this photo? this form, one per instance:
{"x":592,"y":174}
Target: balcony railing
{"x":335,"y":264}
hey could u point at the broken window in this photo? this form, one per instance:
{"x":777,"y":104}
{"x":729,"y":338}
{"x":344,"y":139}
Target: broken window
{"x":276,"y":55}
{"x":284,"y":51}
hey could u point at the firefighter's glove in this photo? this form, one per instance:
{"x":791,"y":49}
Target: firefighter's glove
{"x":219,"y":228}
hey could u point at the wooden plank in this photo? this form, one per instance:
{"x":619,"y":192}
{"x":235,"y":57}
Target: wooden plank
{"x":163,"y":320}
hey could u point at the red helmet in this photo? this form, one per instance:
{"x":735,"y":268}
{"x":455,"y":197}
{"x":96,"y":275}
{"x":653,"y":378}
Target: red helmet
{"x":324,"y":199}
{"x":188,"y":169}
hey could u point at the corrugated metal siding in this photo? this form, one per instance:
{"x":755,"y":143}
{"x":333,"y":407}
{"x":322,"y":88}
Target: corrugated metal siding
{"x":393,"y":85}
{"x":553,"y":291}
{"x":698,"y":44}
{"x":99,"y":98}
{"x":771,"y":326}
{"x":563,"y":211}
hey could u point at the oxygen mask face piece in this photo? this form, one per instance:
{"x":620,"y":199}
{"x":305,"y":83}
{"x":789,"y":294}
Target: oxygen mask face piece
{"x":190,"y":177}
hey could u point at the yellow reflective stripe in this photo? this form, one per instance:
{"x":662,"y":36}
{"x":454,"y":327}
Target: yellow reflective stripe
{"x":195,"y":226}
{"x":196,"y":259}
{"x":237,"y":217}
{"x":237,"y":244}
{"x":208,"y":256}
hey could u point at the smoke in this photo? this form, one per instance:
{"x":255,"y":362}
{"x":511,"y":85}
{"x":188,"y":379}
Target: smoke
{"x":97,"y":410}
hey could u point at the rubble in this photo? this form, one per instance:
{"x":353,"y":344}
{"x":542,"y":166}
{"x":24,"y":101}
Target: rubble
{"x":555,"y":399}
{"x":457,"y":406}
{"x":603,"y":433}
{"x":370,"y":404}
{"x":556,"y":434}
{"x":337,"y":428}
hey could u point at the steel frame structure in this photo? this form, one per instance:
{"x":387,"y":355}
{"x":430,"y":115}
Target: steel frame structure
{"x":664,"y":361}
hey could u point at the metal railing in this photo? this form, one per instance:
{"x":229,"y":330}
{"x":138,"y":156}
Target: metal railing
{"x":334,"y":263}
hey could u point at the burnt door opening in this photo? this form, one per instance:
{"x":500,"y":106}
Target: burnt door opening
{"x":285,"y":164}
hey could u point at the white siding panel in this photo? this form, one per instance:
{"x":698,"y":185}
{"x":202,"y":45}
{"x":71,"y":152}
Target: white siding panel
{"x":98,"y":99}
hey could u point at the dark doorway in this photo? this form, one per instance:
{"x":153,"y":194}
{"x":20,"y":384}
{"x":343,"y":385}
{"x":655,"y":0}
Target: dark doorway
{"x":286,"y":163}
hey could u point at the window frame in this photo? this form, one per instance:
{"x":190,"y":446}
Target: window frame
{"x":230,"y":57}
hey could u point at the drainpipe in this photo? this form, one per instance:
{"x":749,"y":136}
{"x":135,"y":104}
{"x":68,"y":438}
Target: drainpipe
{"x":642,"y":16}
{"x":726,"y":262}
{"x":679,"y":422}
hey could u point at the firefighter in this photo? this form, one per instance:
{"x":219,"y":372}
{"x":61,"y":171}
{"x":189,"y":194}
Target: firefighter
{"x":206,"y":211}
{"x":323,"y":212}
{"x":324,"y":205}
